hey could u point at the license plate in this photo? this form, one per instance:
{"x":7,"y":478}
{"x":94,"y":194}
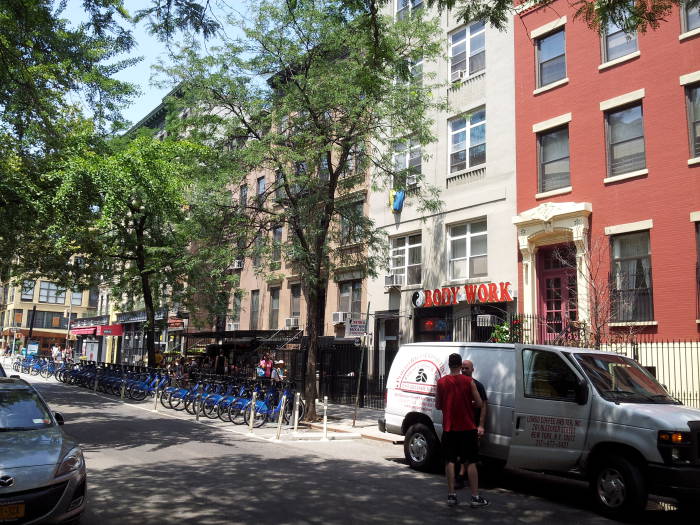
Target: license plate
{"x":11,"y":512}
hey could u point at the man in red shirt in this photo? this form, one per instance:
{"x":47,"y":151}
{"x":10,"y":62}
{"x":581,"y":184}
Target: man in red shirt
{"x":457,"y":397}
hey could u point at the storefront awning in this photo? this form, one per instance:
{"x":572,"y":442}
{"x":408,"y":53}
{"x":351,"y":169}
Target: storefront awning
{"x":83,"y":331}
{"x":110,"y":329}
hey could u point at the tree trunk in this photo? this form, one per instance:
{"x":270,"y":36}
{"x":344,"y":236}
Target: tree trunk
{"x":313,"y":329}
{"x":150,"y":326}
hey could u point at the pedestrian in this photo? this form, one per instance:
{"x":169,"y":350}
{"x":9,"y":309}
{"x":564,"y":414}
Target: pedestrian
{"x":479,"y":421}
{"x":159,"y":358}
{"x":455,"y":395}
{"x":220,"y":363}
{"x":278,"y":371}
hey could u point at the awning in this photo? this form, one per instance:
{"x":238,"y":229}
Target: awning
{"x":110,"y":329}
{"x":83,"y":331}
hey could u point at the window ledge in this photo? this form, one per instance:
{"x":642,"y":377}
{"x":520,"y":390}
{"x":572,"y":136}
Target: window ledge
{"x":456,"y":84}
{"x":689,"y":34}
{"x":693,"y":161}
{"x":462,"y":281}
{"x":551,"y":86}
{"x":635,"y":323}
{"x":408,"y":287}
{"x":625,"y":176}
{"x":621,"y":60}
{"x":552,"y":193}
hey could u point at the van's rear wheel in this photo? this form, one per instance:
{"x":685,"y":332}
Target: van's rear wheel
{"x":617,"y":487}
{"x":421,"y":447}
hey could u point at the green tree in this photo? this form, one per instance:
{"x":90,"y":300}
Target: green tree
{"x":317,"y":93}
{"x":125,"y":212}
{"x":631,"y":16}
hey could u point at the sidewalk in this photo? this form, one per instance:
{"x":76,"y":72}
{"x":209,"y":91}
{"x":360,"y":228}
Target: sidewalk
{"x":340,"y":420}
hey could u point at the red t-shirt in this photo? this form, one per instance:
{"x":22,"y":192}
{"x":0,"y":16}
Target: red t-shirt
{"x":455,"y":395}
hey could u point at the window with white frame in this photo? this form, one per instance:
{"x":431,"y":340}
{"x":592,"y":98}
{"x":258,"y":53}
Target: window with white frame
{"x":28,"y":290}
{"x":617,"y":43}
{"x":467,"y":51}
{"x":408,"y":161}
{"x":350,"y":297}
{"x":51,"y":293}
{"x":76,"y":297}
{"x":468,"y":250}
{"x":274,"y":308}
{"x":468,"y":140}
{"x":261,"y":186}
{"x":690,"y":17}
{"x":551,"y":58}
{"x":406,"y":258}
{"x":693,"y":94}
{"x":554,"y":159}
{"x":626,"y":152}
{"x":631,"y":283}
{"x":254,"y":309}
{"x":295,"y":300}
{"x":276,"y":247}
{"x":405,"y":7}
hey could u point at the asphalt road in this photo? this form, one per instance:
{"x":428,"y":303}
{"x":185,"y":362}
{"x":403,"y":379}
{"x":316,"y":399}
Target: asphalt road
{"x":152,"y":468}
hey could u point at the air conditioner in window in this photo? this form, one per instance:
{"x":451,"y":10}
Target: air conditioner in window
{"x":458,"y":76}
{"x":237,"y":264}
{"x":411,"y":180}
{"x":291,"y":322}
{"x":341,"y":317}
{"x":486,"y":320}
{"x":393,"y":280}
{"x":232,"y":327}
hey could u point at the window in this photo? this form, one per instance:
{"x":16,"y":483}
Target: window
{"x":324,"y":171}
{"x":408,"y":161}
{"x":76,"y":297}
{"x":276,"y":247}
{"x":236,"y":307}
{"x":468,"y":250}
{"x":547,"y":376}
{"x":631,"y":288}
{"x":254,"y":309}
{"x":18,"y":317}
{"x":415,"y":68}
{"x":355,"y":161}
{"x":351,"y":222}
{"x":243,"y":196}
{"x":274,"y":308}
{"x":28,"y":290}
{"x":690,"y":17}
{"x":406,"y":258}
{"x":93,"y":297}
{"x":279,"y":185}
{"x":467,"y":51}
{"x":295,"y":306}
{"x":260,"y":186}
{"x":694,"y":119}
{"x":405,"y":7}
{"x":617,"y":43}
{"x":554,"y":159}
{"x":468,"y":133}
{"x":44,"y":319}
{"x":350,"y":297}
{"x":551,"y":58}
{"x":51,"y":293}
{"x":626,"y":140}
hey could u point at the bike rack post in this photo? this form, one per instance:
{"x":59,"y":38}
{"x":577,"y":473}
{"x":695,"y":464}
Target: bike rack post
{"x":199,"y":407}
{"x":296,"y":411}
{"x":122,"y":388}
{"x":325,"y":418}
{"x":97,"y":380}
{"x":155,"y":403}
{"x":279,"y":419}
{"x":252,"y":411}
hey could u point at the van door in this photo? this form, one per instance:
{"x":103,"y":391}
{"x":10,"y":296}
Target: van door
{"x":549,"y":426}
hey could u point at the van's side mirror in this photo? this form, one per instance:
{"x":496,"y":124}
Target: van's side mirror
{"x":59,"y":418}
{"x":581,"y":392}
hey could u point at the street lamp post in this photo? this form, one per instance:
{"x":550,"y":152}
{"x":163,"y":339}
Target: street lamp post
{"x":70,"y":314}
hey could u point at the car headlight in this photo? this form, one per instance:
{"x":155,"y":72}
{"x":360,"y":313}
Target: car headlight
{"x":675,"y":447}
{"x":71,"y":462}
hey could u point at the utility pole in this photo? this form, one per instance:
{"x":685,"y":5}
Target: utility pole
{"x":70,"y":313}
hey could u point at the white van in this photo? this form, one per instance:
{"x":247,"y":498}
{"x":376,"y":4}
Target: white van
{"x":597,"y":415}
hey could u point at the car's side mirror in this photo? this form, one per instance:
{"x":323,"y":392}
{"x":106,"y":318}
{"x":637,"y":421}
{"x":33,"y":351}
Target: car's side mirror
{"x":581,"y":392}
{"x":59,"y":418}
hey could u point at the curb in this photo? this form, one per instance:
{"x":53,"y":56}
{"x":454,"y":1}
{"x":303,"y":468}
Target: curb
{"x":371,"y":437}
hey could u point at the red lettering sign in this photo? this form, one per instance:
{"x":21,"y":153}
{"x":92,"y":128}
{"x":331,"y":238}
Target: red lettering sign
{"x":428,"y":298}
{"x":483,"y":293}
{"x":470,"y":290}
{"x":493,"y":293}
{"x":446,"y":296}
{"x":454,"y":291}
{"x":505,"y":294}
{"x":437,"y":297}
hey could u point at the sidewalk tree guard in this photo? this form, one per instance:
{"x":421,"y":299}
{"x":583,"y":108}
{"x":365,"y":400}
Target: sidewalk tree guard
{"x":315,"y":96}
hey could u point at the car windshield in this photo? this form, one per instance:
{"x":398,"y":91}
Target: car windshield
{"x":622,"y":380}
{"x":22,"y":409}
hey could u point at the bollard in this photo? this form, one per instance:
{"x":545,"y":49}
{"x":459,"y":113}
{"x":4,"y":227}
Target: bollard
{"x":96,"y":381}
{"x":123,"y":387}
{"x":155,"y":404}
{"x":281,"y":416}
{"x":252,"y":411}
{"x":325,"y":418}
{"x":296,"y":411}
{"x":199,"y":407}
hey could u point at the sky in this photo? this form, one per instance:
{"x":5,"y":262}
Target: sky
{"x":151,"y":50}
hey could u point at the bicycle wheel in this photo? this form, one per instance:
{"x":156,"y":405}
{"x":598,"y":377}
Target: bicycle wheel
{"x":223,"y":412}
{"x":45,"y":372}
{"x":259,"y":418}
{"x":192,"y":405}
{"x":289,"y":412}
{"x":211,"y":410}
{"x":235,"y":414}
{"x":138,"y":393}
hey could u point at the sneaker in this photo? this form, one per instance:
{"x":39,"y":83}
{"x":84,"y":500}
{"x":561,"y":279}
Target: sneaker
{"x":478,"y":501}
{"x":452,"y":500}
{"x":459,"y":482}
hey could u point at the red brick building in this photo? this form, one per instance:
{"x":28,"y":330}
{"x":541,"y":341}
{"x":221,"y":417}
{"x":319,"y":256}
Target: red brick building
{"x":608,"y":173}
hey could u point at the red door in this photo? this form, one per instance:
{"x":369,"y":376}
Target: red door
{"x":558,"y":287}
